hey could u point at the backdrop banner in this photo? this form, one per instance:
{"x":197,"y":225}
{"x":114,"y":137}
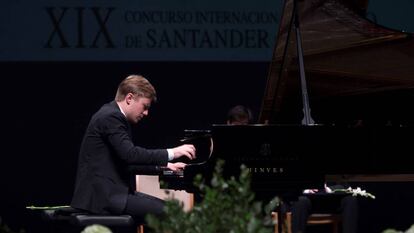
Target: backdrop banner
{"x":142,"y":30}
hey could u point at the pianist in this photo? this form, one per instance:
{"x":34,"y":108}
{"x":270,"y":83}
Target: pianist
{"x":107,"y":152}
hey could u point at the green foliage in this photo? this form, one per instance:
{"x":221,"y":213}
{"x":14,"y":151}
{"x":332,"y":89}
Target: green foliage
{"x":96,"y":228}
{"x":410,"y":230}
{"x":32,"y":207}
{"x":391,"y":231}
{"x":228,"y":206}
{"x":6,"y":229}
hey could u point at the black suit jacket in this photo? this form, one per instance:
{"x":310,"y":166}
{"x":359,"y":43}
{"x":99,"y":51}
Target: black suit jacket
{"x":105,"y":154}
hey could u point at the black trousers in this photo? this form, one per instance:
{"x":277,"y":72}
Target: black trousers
{"x":348,"y":208}
{"x":140,"y":204}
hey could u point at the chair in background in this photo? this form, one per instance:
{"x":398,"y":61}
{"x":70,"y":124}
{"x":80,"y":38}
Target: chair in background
{"x":314,"y":219}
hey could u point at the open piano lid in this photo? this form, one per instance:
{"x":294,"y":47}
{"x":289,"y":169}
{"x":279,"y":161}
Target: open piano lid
{"x":355,"y":69}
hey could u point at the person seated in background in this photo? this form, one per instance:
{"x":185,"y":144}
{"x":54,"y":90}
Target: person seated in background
{"x":239,"y":115}
{"x":303,"y":208}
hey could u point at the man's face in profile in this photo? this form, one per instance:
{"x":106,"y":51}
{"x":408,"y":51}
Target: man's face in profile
{"x":138,"y":109}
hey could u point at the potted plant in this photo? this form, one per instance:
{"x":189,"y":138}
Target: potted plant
{"x":227,"y":206}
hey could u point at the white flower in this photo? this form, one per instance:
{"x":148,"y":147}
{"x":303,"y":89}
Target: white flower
{"x":356,"y":192}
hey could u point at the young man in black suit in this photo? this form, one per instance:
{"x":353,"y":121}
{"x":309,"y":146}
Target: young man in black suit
{"x":107,"y":152}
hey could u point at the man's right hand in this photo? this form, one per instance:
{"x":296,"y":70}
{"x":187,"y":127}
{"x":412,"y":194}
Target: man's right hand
{"x":187,"y":150}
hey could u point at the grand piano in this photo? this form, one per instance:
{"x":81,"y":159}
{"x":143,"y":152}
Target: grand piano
{"x":336,"y":105}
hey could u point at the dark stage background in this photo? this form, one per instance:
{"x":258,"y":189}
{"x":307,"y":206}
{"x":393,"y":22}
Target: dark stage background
{"x":47,"y":105}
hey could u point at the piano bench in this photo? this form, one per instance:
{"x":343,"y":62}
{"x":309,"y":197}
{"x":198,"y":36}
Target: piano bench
{"x":314,"y":219}
{"x":68,"y":220}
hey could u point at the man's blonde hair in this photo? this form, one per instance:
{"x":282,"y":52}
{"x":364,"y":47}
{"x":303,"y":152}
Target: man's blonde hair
{"x":137,"y":85}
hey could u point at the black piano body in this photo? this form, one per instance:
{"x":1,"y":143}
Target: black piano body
{"x":274,"y":167}
{"x":285,"y":159}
